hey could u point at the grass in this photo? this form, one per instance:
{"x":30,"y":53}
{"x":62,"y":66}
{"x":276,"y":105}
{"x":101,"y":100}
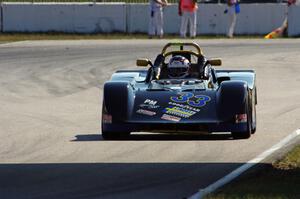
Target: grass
{"x":279,"y":180}
{"x":11,"y":37}
{"x":65,"y":36}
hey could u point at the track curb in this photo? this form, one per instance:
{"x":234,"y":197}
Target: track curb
{"x":237,"y":172}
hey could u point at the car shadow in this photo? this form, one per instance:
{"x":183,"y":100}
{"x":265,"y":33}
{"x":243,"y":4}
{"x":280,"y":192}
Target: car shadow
{"x":107,"y":180}
{"x":87,"y":137}
{"x":156,"y":137}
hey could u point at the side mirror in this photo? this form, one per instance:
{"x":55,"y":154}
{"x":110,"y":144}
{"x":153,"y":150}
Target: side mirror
{"x":215,"y":62}
{"x":143,"y":62}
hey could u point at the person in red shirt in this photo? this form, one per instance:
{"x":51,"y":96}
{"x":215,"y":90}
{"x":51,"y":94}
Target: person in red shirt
{"x":187,"y":9}
{"x":291,"y":2}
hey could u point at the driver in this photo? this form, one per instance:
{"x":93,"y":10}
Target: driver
{"x":178,"y":67}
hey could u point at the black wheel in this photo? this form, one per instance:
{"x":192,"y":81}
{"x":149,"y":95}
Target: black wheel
{"x":242,"y":134}
{"x":114,"y":135}
{"x":254,"y":102}
{"x":245,"y":134}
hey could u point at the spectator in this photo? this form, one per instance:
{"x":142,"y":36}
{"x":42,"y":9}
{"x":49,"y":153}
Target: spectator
{"x":291,"y":2}
{"x":233,"y":10}
{"x":156,"y":18}
{"x":187,"y":9}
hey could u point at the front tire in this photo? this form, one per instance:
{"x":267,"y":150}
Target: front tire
{"x":253,"y":123}
{"x":241,"y":135}
{"x":254,"y":103}
{"x":245,"y":134}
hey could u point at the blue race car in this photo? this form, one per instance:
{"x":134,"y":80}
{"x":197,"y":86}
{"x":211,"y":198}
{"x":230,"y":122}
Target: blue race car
{"x":180,"y":92}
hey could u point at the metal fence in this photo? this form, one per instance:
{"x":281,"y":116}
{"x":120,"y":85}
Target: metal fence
{"x":141,"y":1}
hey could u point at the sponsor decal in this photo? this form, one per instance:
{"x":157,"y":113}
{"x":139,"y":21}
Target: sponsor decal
{"x":184,"y":106}
{"x":170,"y":118}
{"x":191,"y":99}
{"x":149,"y":104}
{"x":146,"y":112}
{"x":178,"y":111}
{"x":106,"y":118}
{"x":152,"y":102}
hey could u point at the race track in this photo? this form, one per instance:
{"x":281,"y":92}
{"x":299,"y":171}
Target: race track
{"x":51,"y":144}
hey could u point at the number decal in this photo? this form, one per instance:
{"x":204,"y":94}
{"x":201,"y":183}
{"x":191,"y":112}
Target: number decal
{"x":190,"y":99}
{"x":184,"y":97}
{"x":200,"y":101}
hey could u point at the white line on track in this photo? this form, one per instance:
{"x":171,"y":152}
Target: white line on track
{"x":237,"y":172}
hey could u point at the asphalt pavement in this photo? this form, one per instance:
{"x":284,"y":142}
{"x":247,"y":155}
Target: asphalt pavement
{"x":51,"y":144}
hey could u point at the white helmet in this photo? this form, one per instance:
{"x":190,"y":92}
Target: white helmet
{"x":178,"y":67}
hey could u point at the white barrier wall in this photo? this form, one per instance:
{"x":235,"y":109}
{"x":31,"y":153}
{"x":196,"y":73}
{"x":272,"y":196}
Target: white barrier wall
{"x":260,"y":19}
{"x":212,"y":20}
{"x":253,"y":19}
{"x":1,"y":18}
{"x":138,"y":18}
{"x":89,"y":18}
{"x":81,"y":18}
{"x":294,"y":22}
{"x":139,"y":15}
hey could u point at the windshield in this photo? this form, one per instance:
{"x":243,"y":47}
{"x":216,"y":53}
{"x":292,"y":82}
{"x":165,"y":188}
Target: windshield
{"x":177,"y":84}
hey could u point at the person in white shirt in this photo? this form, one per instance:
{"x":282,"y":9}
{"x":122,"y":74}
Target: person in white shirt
{"x":233,"y":10}
{"x":156,"y":18}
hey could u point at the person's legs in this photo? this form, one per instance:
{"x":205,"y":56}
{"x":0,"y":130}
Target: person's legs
{"x":159,"y":23}
{"x":151,"y":32}
{"x":232,"y":17}
{"x":184,"y":21}
{"x":193,"y":23}
{"x":188,"y":23}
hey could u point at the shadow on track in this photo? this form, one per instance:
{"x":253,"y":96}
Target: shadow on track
{"x":155,"y":137}
{"x":133,"y":180}
{"x":108,"y":180}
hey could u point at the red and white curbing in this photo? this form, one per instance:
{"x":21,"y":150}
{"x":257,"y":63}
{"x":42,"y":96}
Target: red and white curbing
{"x":237,"y":172}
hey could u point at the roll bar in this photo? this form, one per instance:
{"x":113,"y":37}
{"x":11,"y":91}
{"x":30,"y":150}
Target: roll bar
{"x":181,"y":45}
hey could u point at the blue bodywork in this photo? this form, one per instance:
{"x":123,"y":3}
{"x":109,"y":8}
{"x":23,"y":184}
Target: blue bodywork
{"x":222,"y":102}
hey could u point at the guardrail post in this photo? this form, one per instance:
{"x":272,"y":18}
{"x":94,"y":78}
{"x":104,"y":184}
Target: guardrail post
{"x":1,"y":16}
{"x":127,"y":22}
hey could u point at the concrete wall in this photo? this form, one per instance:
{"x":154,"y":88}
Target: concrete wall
{"x":89,"y":18}
{"x":81,"y":18}
{"x":1,"y":18}
{"x":257,"y":19}
{"x":139,"y":14}
{"x":137,"y":18}
{"x":294,"y":22}
{"x":253,"y":19}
